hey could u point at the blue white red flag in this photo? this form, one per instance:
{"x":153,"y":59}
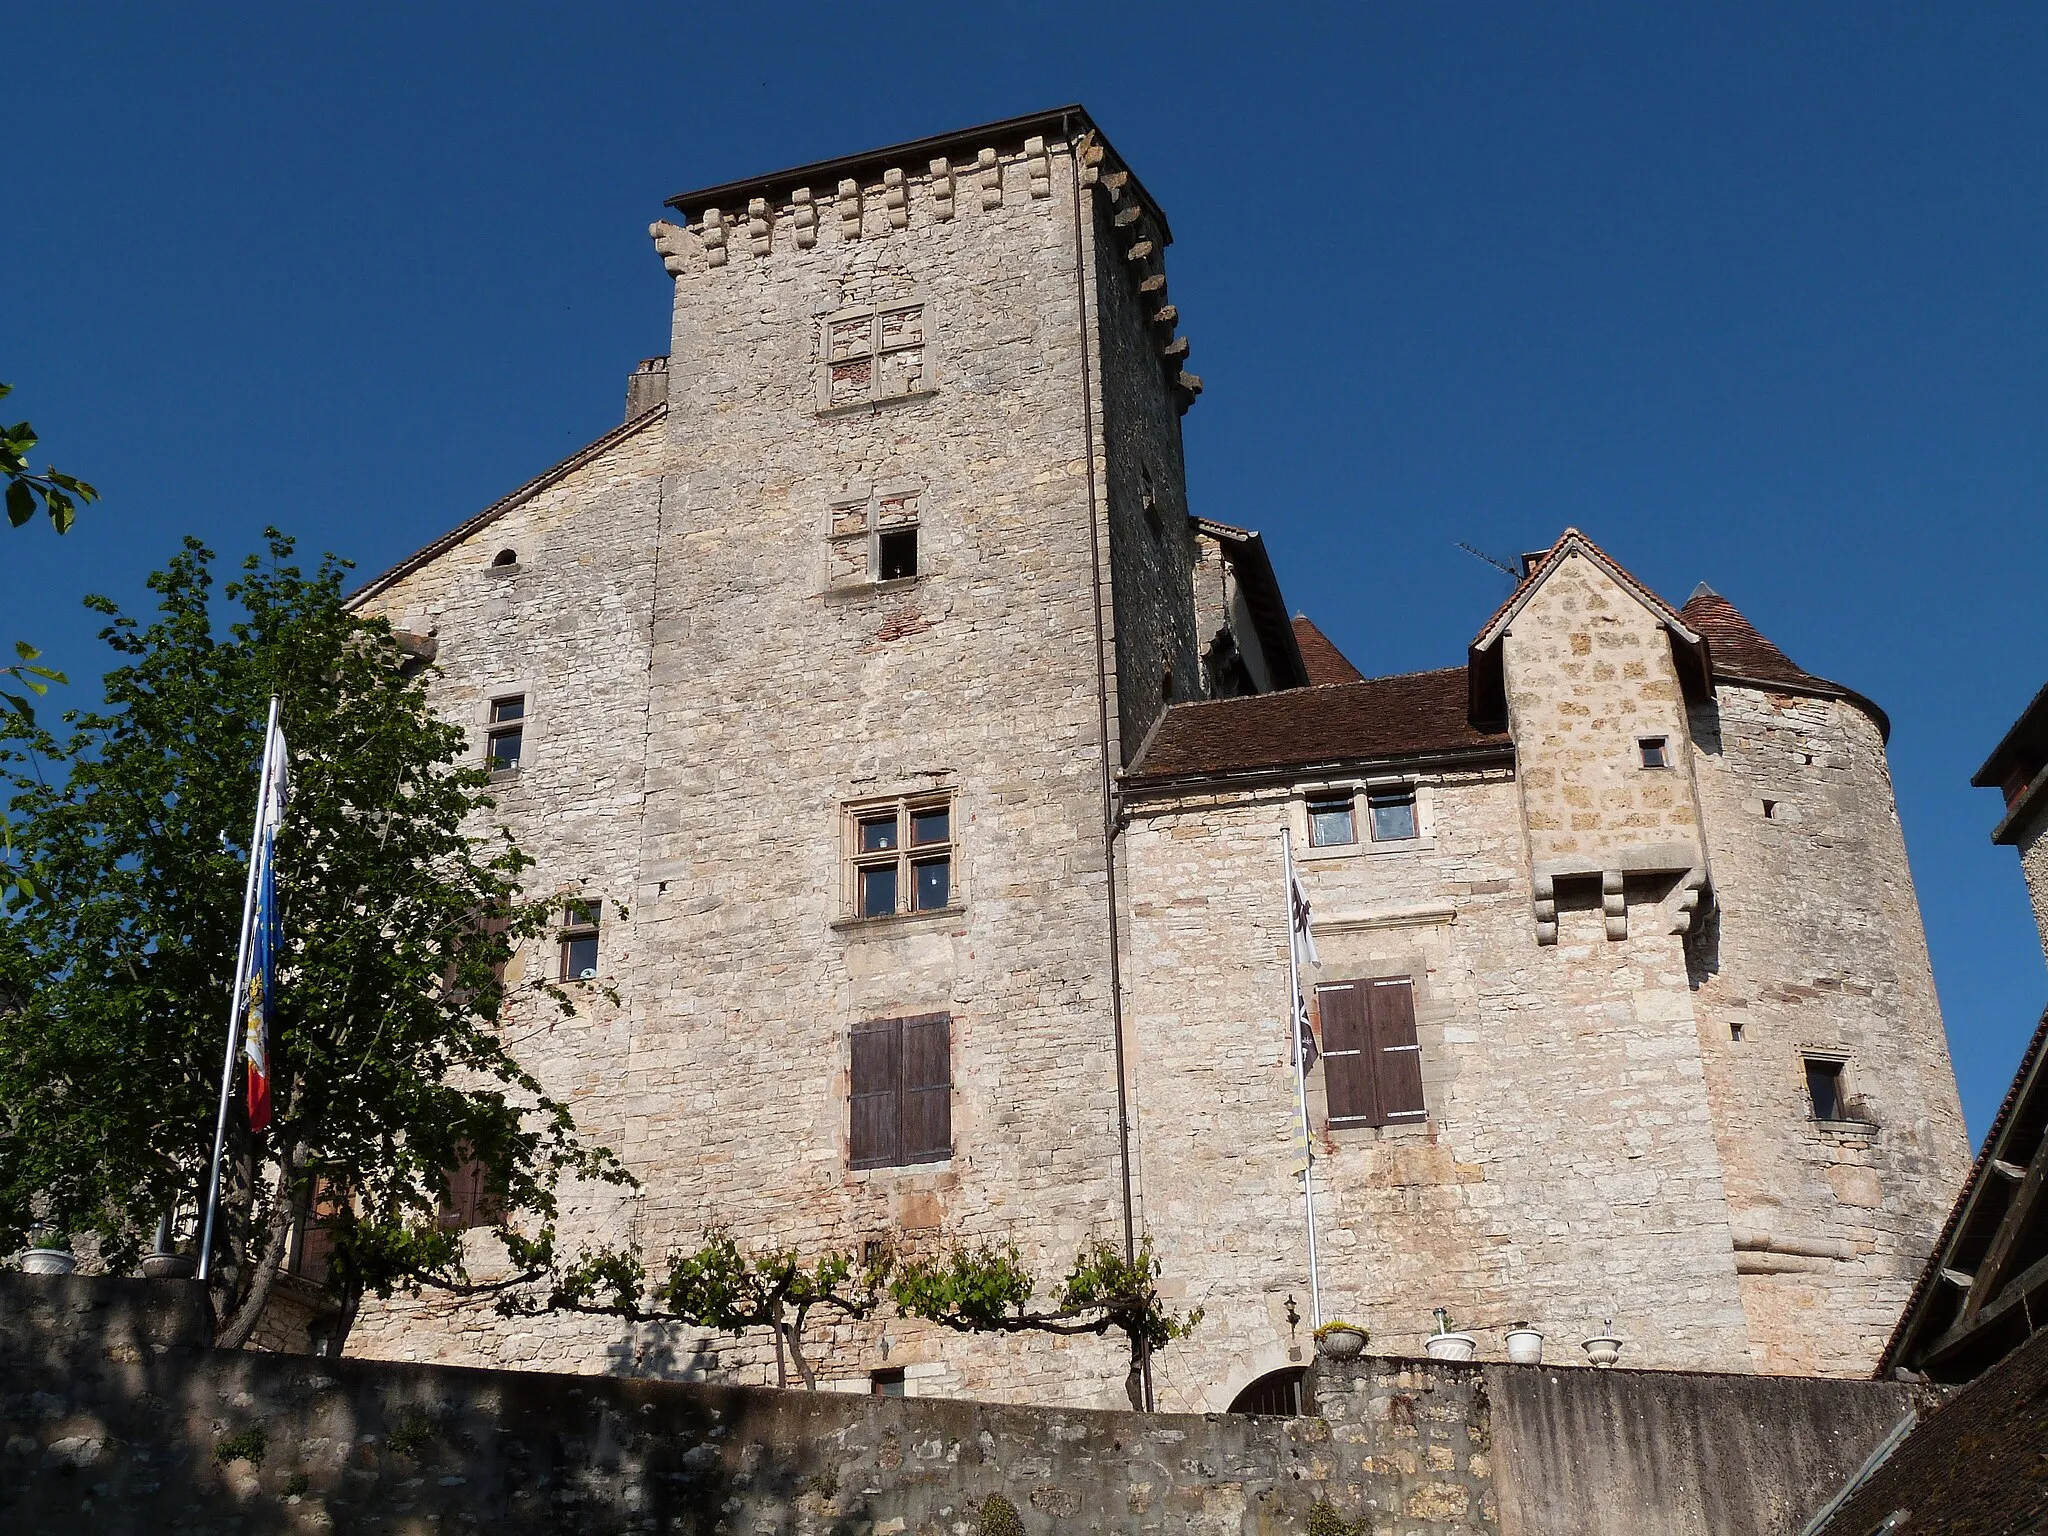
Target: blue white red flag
{"x":267,"y":938}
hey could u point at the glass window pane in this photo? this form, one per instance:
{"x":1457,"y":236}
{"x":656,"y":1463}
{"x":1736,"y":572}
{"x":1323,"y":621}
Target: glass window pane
{"x":581,"y":914}
{"x":1824,"y":1085}
{"x":878,"y":891}
{"x":1393,"y":816}
{"x":934,"y":883}
{"x":503,"y":751}
{"x":1329,"y":823}
{"x":508,"y":709}
{"x":579,"y":958}
{"x":877,"y":833}
{"x":933,"y":825}
{"x":1653,"y":752}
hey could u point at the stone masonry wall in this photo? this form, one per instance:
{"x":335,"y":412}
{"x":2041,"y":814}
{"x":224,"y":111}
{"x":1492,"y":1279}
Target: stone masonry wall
{"x":112,"y":1419}
{"x":1815,"y":946}
{"x":2033,"y":846}
{"x":760,"y":688}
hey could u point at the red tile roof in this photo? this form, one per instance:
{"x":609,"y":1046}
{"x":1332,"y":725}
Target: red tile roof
{"x":1742,"y":655}
{"x":1416,"y":714}
{"x":1325,"y":663}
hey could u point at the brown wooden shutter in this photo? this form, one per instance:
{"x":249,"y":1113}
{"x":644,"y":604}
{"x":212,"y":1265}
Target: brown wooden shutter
{"x":1348,"y":1055}
{"x":1399,"y":1064}
{"x":927,"y":1088}
{"x":876,"y":1096}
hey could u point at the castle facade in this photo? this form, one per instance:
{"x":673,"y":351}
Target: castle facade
{"x":911,"y":764}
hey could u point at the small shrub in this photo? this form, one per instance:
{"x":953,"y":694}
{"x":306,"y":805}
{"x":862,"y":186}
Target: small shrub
{"x":1323,"y":1520}
{"x":296,"y":1484}
{"x":824,"y":1484}
{"x":249,"y":1446}
{"x":411,"y":1434}
{"x":999,"y":1517}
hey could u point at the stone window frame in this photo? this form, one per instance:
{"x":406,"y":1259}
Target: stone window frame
{"x":1430,"y":1013}
{"x":829,"y":353}
{"x":1855,"y":1119}
{"x":1661,"y":745}
{"x":1362,"y":844}
{"x":520,"y":688}
{"x":856,"y":526}
{"x":582,"y":917}
{"x":905,"y":856}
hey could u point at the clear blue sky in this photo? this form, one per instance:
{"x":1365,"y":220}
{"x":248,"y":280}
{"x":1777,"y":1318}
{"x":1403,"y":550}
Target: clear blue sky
{"x":1753,"y":294}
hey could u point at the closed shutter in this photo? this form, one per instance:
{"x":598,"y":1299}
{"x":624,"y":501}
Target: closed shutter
{"x":876,"y":1095}
{"x":1399,"y":1065}
{"x":1347,"y":1054}
{"x":927,"y":1089}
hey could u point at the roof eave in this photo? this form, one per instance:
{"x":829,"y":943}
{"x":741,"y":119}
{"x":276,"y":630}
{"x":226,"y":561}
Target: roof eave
{"x":2030,"y":729}
{"x":1138,"y":786}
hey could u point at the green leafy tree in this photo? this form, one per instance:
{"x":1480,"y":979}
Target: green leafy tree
{"x":987,"y":1289}
{"x":720,"y":1286}
{"x":117,"y":953}
{"x":27,"y":492}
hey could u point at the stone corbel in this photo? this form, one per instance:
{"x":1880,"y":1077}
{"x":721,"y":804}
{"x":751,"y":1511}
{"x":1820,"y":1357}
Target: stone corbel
{"x":714,"y":237}
{"x":990,"y":171}
{"x":896,"y":198}
{"x":1544,"y":889}
{"x":1685,"y":901}
{"x":675,"y":245}
{"x":942,"y":189}
{"x":1091,"y":160}
{"x":806,"y":218}
{"x":1614,"y":903}
{"x":1039,"y":164}
{"x":849,"y":210}
{"x":760,"y":227}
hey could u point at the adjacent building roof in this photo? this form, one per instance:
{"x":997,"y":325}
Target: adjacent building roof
{"x":2018,"y":766}
{"x":1325,"y":663}
{"x":1416,"y":714}
{"x":1260,"y":588}
{"x":1741,"y":655}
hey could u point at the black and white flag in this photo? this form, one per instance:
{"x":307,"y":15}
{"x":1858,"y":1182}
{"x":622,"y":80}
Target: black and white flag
{"x":1304,"y":943}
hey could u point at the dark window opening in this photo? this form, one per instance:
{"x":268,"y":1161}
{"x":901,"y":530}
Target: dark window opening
{"x":580,"y":922}
{"x":1393,"y":814}
{"x":878,"y":891}
{"x":505,"y":738}
{"x":1148,"y":499}
{"x":1824,"y":1089}
{"x":887,"y":1383}
{"x":896,"y":554}
{"x":505,"y":557}
{"x":1656,"y":752}
{"x":1372,"y":1063}
{"x":1770,"y":810}
{"x":1331,"y":822}
{"x":1276,"y":1392}
{"x":900,"y":1103}
{"x":1166,"y":685}
{"x":877,"y":833}
{"x":934,"y":883}
{"x":1734,"y":1031}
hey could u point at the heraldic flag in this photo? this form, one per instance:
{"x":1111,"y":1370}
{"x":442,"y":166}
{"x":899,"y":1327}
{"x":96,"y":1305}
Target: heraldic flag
{"x":267,"y":936}
{"x":1303,"y":942}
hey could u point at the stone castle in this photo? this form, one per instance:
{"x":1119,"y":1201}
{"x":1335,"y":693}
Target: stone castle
{"x":912,"y":762}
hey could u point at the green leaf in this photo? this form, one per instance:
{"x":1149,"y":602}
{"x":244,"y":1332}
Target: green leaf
{"x":21,"y":502}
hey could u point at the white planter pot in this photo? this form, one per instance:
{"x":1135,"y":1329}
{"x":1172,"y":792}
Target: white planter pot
{"x":1603,"y":1350}
{"x":1451,"y":1346}
{"x":1341,"y":1344}
{"x":168,"y":1266}
{"x":1525,"y":1346}
{"x":49,"y":1261}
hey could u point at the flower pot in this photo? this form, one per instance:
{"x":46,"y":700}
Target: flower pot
{"x":168,"y":1266}
{"x":1341,"y":1343}
{"x":1451,"y":1346}
{"x":1603,"y":1349}
{"x":48,"y":1261}
{"x":1525,"y":1346}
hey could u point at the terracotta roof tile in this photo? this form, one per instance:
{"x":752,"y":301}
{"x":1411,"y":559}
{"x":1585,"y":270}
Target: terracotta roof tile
{"x":1411,"y":715}
{"x":1740,"y":654}
{"x":1325,"y":663}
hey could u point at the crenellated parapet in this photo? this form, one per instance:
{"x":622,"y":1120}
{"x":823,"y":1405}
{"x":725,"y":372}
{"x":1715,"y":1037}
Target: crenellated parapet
{"x":873,"y":198}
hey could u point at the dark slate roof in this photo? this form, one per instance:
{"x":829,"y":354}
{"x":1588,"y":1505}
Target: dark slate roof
{"x":1740,"y":654}
{"x":1978,"y":1466}
{"x":1416,"y":714}
{"x":1324,"y":662}
{"x":2026,"y":741}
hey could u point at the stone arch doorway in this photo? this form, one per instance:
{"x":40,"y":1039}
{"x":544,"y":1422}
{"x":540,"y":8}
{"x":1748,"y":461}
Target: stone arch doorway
{"x":1276,"y":1392}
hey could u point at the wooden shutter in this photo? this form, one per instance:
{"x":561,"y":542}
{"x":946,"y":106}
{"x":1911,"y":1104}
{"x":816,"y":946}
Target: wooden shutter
{"x":471,"y":1201}
{"x":927,"y":1134}
{"x":1398,"y":1069}
{"x":876,"y":1096}
{"x":1348,"y":1055}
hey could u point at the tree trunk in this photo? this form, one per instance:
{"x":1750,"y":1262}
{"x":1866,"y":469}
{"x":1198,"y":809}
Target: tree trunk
{"x":276,"y":1238}
{"x":1134,"y":1381}
{"x":796,"y":1352}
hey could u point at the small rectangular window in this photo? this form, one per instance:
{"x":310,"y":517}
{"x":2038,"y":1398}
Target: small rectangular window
{"x":1393,"y":814}
{"x":1824,"y":1089}
{"x":1655,"y":750}
{"x":506,"y":734}
{"x":874,"y":536}
{"x":1331,"y":822}
{"x":901,"y":1090}
{"x":873,"y":355}
{"x":580,"y":923}
{"x":886,"y":1383}
{"x":897,"y":554}
{"x":900,"y":857}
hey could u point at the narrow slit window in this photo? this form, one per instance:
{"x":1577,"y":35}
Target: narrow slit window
{"x":1393,"y":815}
{"x":1332,"y":821}
{"x":580,"y":924}
{"x":505,"y":737}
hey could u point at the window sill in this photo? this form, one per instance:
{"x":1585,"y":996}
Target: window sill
{"x":500,"y":777}
{"x":1861,"y":1130}
{"x":869,"y":1170}
{"x":857,"y":589}
{"x":1312,"y":853}
{"x":871,"y":407}
{"x":896,"y":920}
{"x":1400,"y":1130}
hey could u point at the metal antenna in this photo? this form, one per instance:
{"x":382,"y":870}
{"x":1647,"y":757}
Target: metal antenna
{"x":1499,"y":565}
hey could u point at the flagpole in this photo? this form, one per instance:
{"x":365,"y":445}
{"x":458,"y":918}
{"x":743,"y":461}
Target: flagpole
{"x":227,"y":1070}
{"x":1294,"y":1022}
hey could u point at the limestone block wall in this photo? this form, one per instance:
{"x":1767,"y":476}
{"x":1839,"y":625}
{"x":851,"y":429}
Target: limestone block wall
{"x":1815,"y":947}
{"x":1589,"y":675}
{"x":1567,"y":1170}
{"x":2033,"y":846}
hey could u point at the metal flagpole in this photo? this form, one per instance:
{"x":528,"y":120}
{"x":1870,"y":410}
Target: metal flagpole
{"x":227,"y":1070}
{"x":1294,"y":1023}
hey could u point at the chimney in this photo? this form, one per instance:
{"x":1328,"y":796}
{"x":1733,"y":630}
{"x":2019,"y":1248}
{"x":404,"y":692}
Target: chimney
{"x":646,"y":386}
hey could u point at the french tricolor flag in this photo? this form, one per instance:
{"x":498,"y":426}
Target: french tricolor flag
{"x":266,"y":939}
